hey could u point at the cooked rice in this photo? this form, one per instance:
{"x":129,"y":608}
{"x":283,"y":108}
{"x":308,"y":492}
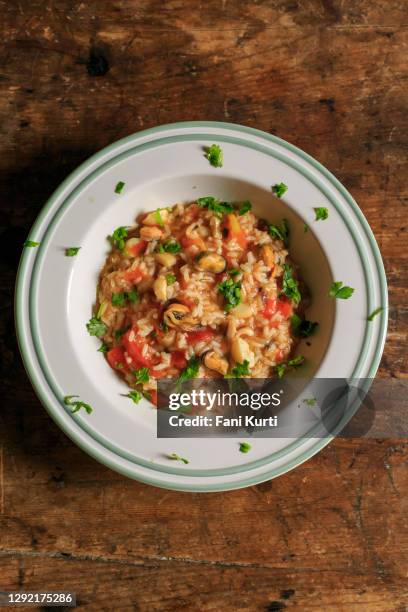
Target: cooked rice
{"x":165,"y":349}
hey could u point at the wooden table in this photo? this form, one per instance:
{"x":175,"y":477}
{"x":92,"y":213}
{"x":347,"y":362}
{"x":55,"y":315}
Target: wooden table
{"x":330,"y":77}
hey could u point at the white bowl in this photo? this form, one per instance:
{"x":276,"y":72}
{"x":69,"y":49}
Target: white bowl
{"x":159,"y":167}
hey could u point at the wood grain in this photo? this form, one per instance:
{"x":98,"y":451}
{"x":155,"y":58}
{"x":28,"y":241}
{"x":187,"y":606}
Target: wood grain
{"x":330,"y":77}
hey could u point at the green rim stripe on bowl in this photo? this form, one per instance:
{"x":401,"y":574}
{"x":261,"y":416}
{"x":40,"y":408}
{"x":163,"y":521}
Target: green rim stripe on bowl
{"x":59,"y":393}
{"x":113,"y":161}
{"x":195,"y":137}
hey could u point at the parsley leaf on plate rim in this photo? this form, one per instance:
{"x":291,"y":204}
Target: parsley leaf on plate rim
{"x":279,"y":189}
{"x":134,"y":395}
{"x":119,"y":187}
{"x":76,"y":405}
{"x":321,"y":213}
{"x":71,"y":251}
{"x":340,"y":291}
{"x":375,"y":312}
{"x":176,"y":457}
{"x":244,"y":447}
{"x":215,"y":155}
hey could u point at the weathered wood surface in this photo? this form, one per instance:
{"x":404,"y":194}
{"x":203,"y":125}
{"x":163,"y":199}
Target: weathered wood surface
{"x":329,"y":76}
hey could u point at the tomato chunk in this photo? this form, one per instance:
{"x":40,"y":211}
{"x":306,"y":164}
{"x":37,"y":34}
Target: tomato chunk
{"x":279,"y":355}
{"x":134,"y":344}
{"x":201,"y":335}
{"x":160,"y":373}
{"x":180,"y":278}
{"x":133,"y":276}
{"x":269,"y":308}
{"x":116,"y":359}
{"x":178,"y":360}
{"x":285,"y":308}
{"x":136,"y":249}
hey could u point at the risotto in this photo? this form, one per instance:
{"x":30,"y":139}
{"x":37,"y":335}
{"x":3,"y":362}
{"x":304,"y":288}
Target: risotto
{"x":204,"y":289}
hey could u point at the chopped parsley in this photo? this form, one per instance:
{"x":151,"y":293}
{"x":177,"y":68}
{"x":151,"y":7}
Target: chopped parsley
{"x":141,"y":375}
{"x":119,"y":299}
{"x":135,"y":396}
{"x":170,"y":246}
{"x":30,"y":243}
{"x":234,"y":272}
{"x":77,"y":404}
{"x":290,"y":286}
{"x":301,"y":327}
{"x":159,"y":219}
{"x":191,"y":369}
{"x":71,"y":251}
{"x":223,"y":208}
{"x":132,"y":296}
{"x":321,"y":213}
{"x":119,"y":332}
{"x":280,"y":369}
{"x":119,"y":187}
{"x":171,"y":279}
{"x":340,"y":291}
{"x":244,"y":447}
{"x":96,"y":327}
{"x":296,"y":362}
{"x":101,"y":309}
{"x":246,"y":207}
{"x":279,"y":189}
{"x":312,"y":401}
{"x":214,"y":155}
{"x":231,"y":292}
{"x":239,"y":370}
{"x":118,"y":237}
{"x":104,"y":348}
{"x":375,"y":313}
{"x":176,"y":457}
{"x":281,"y":232}
{"x":305,"y":228}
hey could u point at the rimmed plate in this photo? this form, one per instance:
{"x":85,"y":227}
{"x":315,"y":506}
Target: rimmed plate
{"x":159,"y":167}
